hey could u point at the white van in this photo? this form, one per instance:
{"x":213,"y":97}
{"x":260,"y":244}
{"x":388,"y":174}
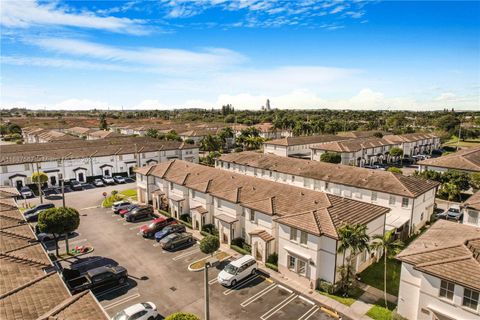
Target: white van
{"x":237,"y":270}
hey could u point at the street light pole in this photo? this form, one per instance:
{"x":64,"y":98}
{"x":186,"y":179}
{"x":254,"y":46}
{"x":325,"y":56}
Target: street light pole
{"x":38,"y":182}
{"x":207,"y":308}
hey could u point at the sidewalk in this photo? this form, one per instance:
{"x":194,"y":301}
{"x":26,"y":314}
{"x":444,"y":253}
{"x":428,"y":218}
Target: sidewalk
{"x":378,"y":293}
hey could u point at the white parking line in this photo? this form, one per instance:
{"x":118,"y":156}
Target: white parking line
{"x":306,"y":300}
{"x":120,"y":219}
{"x":239,"y":285}
{"x":309,"y":313}
{"x":121,"y":301}
{"x":279,"y":306}
{"x":258,"y":295}
{"x":185,"y":254}
{"x":88,"y":208}
{"x":213,"y":281}
{"x":87,"y":262}
{"x":112,"y":290}
{"x":285,"y":288}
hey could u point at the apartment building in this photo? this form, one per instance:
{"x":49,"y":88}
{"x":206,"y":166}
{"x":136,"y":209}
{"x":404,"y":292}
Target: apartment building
{"x":414,"y":143}
{"x":410,"y":199}
{"x":471,"y":210}
{"x":39,"y":135}
{"x":440,"y":274}
{"x":266,"y":130}
{"x":298,"y":224}
{"x":297,"y":146}
{"x":84,"y":160}
{"x":30,"y":286}
{"x":356,"y":152}
{"x":467,"y":160}
{"x":79,"y":131}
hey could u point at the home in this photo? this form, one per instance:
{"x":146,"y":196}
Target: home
{"x":298,"y":224}
{"x":471,"y":210}
{"x":410,"y":199}
{"x":440,"y":274}
{"x":101,"y":134}
{"x":297,"y":146}
{"x":266,"y":130}
{"x":84,"y":160}
{"x":79,"y":131}
{"x":39,"y":135}
{"x":467,"y":160}
{"x":414,"y":143}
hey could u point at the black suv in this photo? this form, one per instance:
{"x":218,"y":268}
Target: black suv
{"x":176,"y":240}
{"x":38,"y":207}
{"x":139,"y":213}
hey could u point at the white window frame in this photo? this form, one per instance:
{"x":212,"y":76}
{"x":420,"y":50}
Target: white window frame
{"x":471,"y":299}
{"x":405,"y":202}
{"x":303,"y":237}
{"x":293,"y":234}
{"x":446,"y":288}
{"x":392,"y":200}
{"x":374,"y":196}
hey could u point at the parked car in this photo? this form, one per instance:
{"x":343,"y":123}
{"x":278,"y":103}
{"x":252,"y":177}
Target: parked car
{"x":454,"y":213}
{"x":237,"y":270}
{"x":108,"y":180}
{"x":33,"y":217}
{"x":44,"y":237}
{"x":173,"y":228}
{"x":156,"y":225}
{"x":96,"y":278}
{"x":39,"y":207}
{"x":127,"y":209}
{"x":75,"y":185}
{"x":98,"y":183}
{"x":26,"y":192}
{"x":119,"y":205}
{"x":119,"y":179}
{"x":440,"y":214}
{"x":176,"y":240}
{"x":139,"y":311}
{"x":139,"y":213}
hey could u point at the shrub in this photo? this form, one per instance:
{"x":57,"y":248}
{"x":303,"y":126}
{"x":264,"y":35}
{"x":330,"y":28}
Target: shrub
{"x":209,"y":244}
{"x":114,"y":192}
{"x":182,"y":316}
{"x":331,"y":157}
{"x":273,"y":259}
{"x":239,"y":250}
{"x":394,"y":170}
{"x":210,"y":229}
{"x":188,"y":224}
{"x":186,"y":217}
{"x":238,"y":242}
{"x":326,"y":286}
{"x":274,"y":267}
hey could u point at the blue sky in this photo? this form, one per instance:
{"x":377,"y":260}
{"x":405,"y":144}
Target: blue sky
{"x":205,"y":53}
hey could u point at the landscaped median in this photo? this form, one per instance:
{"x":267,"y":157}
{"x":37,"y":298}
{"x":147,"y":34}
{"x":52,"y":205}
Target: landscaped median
{"x":129,"y":194}
{"x":353,"y":296}
{"x":379,"y":312}
{"x":199,"y":265}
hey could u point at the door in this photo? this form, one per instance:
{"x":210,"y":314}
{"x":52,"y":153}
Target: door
{"x":106,"y":172}
{"x":19,"y":184}
{"x":81,"y":177}
{"x":53,"y":180}
{"x":130,"y":171}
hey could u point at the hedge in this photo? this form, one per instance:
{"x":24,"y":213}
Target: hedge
{"x":271,"y":266}
{"x":186,"y":223}
{"x":239,"y":250}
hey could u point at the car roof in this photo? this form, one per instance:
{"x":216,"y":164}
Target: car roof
{"x":160,"y":219}
{"x":242,"y":260}
{"x":134,"y":309}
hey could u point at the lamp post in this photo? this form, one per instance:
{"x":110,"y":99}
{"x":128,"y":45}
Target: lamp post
{"x":38,"y":180}
{"x":212,"y":262}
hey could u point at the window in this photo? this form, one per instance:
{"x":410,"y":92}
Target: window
{"x":219,"y":203}
{"x":171,"y":185}
{"x":373,"y":197}
{"x":472,"y":217}
{"x":404,"y":202}
{"x":303,"y":237}
{"x":293,"y":234}
{"x":301,"y":267}
{"x":193,"y":194}
{"x":252,"y":215}
{"x":291,"y":262}
{"x":120,"y":157}
{"x":470,"y":298}
{"x":347,"y":193}
{"x":228,"y":165}
{"x":4,"y":169}
{"x":391,"y":200}
{"x":270,"y":173}
{"x":421,"y":216}
{"x":59,"y":162}
{"x":27,"y":166}
{"x":293,"y":178}
{"x":446,"y":289}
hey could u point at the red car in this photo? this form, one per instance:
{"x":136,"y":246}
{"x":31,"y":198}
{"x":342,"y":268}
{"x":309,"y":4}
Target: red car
{"x":156,"y":225}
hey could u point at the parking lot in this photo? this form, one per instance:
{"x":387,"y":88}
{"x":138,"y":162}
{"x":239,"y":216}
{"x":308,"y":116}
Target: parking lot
{"x":162,"y":277}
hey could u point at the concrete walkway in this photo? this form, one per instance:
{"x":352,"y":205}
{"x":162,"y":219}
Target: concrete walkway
{"x":378,"y":293}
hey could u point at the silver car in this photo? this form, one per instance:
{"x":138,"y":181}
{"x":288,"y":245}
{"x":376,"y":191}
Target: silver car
{"x":119,"y":205}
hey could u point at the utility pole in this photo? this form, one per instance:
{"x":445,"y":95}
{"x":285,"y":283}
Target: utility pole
{"x":62,"y":182}
{"x":38,"y":182}
{"x":207,"y":308}
{"x":459,"y":134}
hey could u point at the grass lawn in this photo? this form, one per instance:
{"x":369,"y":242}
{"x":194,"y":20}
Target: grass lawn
{"x":348,"y":301}
{"x":200,"y":264}
{"x":130,"y":194}
{"x":373,"y":275}
{"x":379,"y":312}
{"x":469,"y":143}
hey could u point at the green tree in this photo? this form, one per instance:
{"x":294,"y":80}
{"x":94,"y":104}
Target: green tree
{"x":71,"y":222}
{"x":182,"y":316}
{"x":226,"y":133}
{"x":103,"y":125}
{"x":448,"y":123}
{"x":449,"y":191}
{"x":378,"y":134}
{"x":331,"y":157}
{"x":153,"y":133}
{"x":475,"y":180}
{"x":458,"y":178}
{"x":39,"y":178}
{"x":189,"y":141}
{"x":395,"y":170}
{"x":230,"y":118}
{"x":211,"y":143}
{"x":353,"y":240}
{"x":395,"y":152}
{"x":58,"y":221}
{"x":390,"y":247}
{"x":209,"y":245}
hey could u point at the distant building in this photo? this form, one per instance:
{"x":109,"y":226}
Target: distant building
{"x":267,"y":105}
{"x":297,"y":146}
{"x":467,"y":160}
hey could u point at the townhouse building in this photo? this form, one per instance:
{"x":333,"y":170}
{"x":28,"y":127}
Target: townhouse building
{"x":297,"y":146}
{"x":410,"y":199}
{"x":266,"y":130}
{"x":79,"y":131}
{"x":414,"y":143}
{"x":440,"y":274}
{"x":356,"y":152}
{"x":39,"y":135}
{"x":298,"y":224}
{"x":467,"y":160}
{"x":101,"y":134}
{"x":84,"y":160}
{"x":471,"y":210}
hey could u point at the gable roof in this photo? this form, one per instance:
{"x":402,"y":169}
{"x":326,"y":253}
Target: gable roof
{"x":468,"y":159}
{"x":282,"y":201}
{"x":473,"y":202}
{"x":447,"y":250}
{"x":377,"y":180}
{"x":294,"y":141}
{"x":352,"y":145}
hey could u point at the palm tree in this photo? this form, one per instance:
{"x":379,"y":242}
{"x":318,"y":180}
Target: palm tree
{"x":390,"y":247}
{"x":353,"y":239}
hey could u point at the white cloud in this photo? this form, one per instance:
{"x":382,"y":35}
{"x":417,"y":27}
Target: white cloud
{"x":30,"y":13}
{"x":446,"y":96}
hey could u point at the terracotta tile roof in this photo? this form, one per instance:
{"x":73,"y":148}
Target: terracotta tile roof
{"x":294,"y":141}
{"x":473,"y":202}
{"x":447,"y":250}
{"x":53,"y":135}
{"x":377,"y":180}
{"x":26,"y":153}
{"x":104,"y":134}
{"x":79,"y":307}
{"x":7,"y":204}
{"x":8,"y":192}
{"x":360,"y":134}
{"x":468,"y":159}
{"x":79,"y":130}
{"x":272,"y":198}
{"x":262,"y":234}
{"x":409,"y":137}
{"x":352,"y":145}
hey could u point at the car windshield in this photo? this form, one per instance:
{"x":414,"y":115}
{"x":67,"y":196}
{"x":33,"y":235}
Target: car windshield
{"x":152,"y":225}
{"x":230,"y":268}
{"x":120,"y":316}
{"x":146,"y":305}
{"x":454,"y":210}
{"x":25,"y":189}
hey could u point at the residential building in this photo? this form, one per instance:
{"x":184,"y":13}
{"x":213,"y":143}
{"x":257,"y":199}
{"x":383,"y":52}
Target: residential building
{"x":79,"y":131}
{"x":298,"y":224}
{"x":471,"y":210}
{"x":102,"y":134}
{"x":362,"y":134}
{"x":39,"y":135}
{"x":30,"y":286}
{"x":84,"y":160}
{"x":440,"y":274}
{"x":356,"y":152}
{"x":414,"y":143}
{"x":410,"y":199}
{"x":467,"y":160}
{"x":266,"y":130}
{"x":297,"y":146}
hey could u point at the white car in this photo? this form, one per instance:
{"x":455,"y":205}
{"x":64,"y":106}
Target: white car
{"x":108,"y":180}
{"x":119,"y":205}
{"x":139,"y":311}
{"x":237,"y":270}
{"x":119,"y":179}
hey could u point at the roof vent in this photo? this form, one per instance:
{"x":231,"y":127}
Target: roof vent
{"x":316,"y":201}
